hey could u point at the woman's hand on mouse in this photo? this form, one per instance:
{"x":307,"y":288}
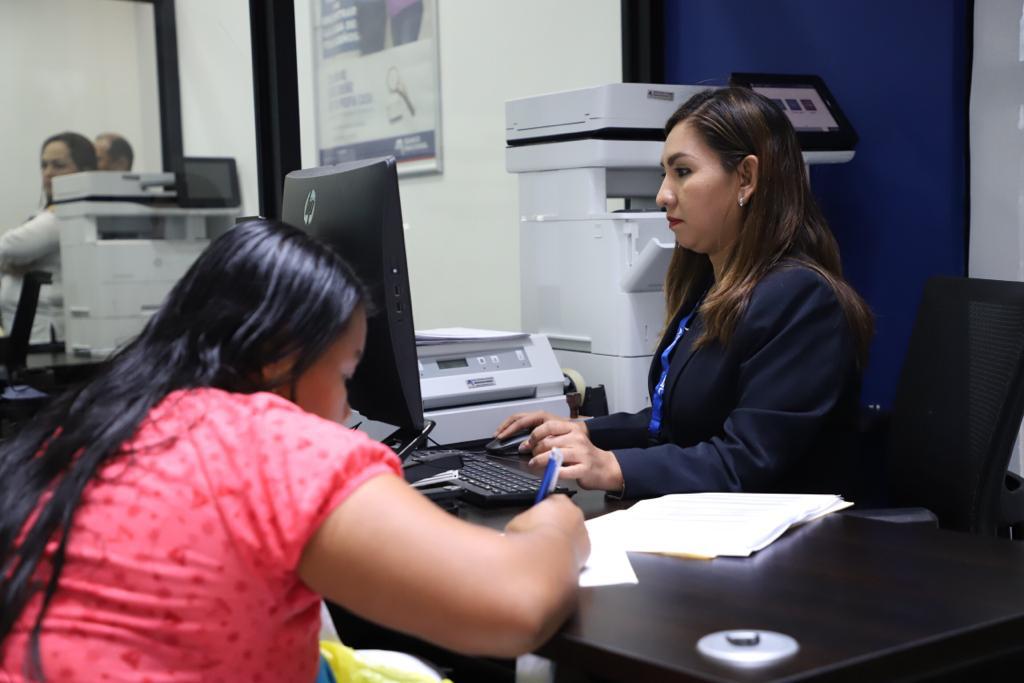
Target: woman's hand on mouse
{"x":590,"y":466}
{"x":521,"y":422}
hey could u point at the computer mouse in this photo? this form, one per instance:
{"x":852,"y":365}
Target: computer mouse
{"x":509,"y":445}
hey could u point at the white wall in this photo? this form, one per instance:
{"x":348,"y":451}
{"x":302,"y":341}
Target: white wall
{"x":462,"y":239}
{"x":997,"y":145}
{"x":218,"y":117}
{"x":88,"y":66}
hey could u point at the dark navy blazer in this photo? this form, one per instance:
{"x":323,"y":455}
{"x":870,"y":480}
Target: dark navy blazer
{"x":774,"y":410}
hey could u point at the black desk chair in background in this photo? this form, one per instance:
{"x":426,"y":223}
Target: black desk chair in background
{"x":14,"y":347}
{"x":958,"y":409}
{"x":19,"y":402}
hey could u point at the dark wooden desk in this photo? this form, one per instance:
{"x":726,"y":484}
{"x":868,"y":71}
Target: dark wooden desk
{"x":866,"y":601}
{"x":46,"y":372}
{"x":50,"y":371}
{"x":45,"y":360}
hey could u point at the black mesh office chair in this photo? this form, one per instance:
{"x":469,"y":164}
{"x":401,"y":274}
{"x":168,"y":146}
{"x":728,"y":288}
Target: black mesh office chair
{"x":14,"y":347}
{"x":18,"y":402}
{"x":959,"y":406}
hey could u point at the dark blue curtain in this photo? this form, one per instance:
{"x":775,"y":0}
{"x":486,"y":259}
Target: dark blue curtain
{"x":899,"y":69}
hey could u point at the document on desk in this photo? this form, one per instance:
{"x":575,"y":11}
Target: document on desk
{"x":707,"y":525}
{"x":606,"y":566}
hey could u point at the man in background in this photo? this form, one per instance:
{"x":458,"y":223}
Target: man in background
{"x":113,"y":153}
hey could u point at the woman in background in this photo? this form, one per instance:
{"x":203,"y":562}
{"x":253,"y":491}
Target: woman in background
{"x":179,"y":517}
{"x":35,"y":244}
{"x":755,"y":385}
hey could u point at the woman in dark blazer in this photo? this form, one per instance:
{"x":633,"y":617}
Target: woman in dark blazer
{"x":756,"y":381}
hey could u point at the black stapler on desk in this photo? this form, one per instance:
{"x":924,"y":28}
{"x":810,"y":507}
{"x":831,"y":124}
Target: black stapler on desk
{"x":421,"y":465}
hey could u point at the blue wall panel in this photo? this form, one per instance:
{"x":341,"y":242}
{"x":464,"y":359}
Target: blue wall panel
{"x":899,"y":71}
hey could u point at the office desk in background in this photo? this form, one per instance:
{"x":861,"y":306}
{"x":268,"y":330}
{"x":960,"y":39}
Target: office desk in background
{"x":59,"y":359}
{"x":62,"y":368}
{"x":866,"y":600}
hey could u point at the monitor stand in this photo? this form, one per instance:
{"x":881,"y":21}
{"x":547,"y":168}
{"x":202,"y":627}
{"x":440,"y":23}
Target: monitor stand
{"x":404,"y":440}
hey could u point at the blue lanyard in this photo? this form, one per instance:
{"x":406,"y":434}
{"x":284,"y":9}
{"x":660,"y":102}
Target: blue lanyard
{"x":666,"y":359}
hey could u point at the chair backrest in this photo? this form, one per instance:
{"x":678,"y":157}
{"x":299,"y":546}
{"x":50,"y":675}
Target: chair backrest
{"x":959,"y":402}
{"x":20,"y":334}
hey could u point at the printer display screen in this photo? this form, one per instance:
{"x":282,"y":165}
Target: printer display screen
{"x":452,"y":363}
{"x":803,"y":105}
{"x":806,"y":101}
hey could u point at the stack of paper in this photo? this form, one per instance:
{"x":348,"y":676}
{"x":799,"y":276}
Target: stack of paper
{"x":697,"y":525}
{"x":709,"y":524}
{"x":444,"y":335}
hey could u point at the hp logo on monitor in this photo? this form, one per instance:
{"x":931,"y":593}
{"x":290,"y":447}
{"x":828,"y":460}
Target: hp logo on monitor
{"x":310,"y":208}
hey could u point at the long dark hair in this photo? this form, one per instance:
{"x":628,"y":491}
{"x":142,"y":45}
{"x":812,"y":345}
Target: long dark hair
{"x":262,"y":292}
{"x":781,"y":221}
{"x":81,"y":149}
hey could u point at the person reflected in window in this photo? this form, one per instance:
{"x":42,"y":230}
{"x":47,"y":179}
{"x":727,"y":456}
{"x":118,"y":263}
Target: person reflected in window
{"x":755,"y":384}
{"x":113,"y":153}
{"x":180,"y":517}
{"x":35,"y":244}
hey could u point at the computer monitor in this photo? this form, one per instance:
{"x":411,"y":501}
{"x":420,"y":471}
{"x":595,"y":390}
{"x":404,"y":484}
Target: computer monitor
{"x":354,"y":208}
{"x":207,"y":182}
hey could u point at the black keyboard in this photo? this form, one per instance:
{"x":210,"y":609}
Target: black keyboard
{"x":488,"y":483}
{"x":484,"y":482}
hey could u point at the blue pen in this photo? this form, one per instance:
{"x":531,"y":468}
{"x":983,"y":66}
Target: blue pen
{"x":547,"y":484}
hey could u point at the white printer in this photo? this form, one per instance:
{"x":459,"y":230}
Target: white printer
{"x":591,"y":277}
{"x":124,"y":243}
{"x":471,"y":380}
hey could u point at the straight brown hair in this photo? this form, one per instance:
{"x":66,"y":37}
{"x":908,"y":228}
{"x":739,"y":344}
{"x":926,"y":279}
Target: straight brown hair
{"x":781,"y":221}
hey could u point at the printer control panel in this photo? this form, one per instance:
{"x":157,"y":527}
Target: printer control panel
{"x":473,"y":363}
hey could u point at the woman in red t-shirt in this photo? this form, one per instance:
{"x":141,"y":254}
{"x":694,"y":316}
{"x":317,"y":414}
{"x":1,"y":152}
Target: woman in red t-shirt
{"x":179,"y":517}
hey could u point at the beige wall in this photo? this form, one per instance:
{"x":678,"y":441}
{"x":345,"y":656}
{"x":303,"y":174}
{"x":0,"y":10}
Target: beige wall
{"x":88,"y":66}
{"x":215,"y":71}
{"x":462,"y":235}
{"x":462,"y":227}
{"x":997,"y":147}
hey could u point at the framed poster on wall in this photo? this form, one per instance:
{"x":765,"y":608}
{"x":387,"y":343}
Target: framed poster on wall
{"x":378,"y":89}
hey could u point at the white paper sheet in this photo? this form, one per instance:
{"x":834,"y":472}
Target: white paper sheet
{"x":606,"y":566}
{"x":708,"y":524}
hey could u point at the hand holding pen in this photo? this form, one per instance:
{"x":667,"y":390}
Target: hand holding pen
{"x":550,"y":479}
{"x":554,"y":512}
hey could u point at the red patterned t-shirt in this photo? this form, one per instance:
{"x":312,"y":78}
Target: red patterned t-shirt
{"x":183,"y":555}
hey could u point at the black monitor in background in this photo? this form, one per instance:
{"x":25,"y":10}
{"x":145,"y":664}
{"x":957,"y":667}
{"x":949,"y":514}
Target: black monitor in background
{"x":207,"y":182}
{"x":354,"y":208}
{"x":819,"y":122}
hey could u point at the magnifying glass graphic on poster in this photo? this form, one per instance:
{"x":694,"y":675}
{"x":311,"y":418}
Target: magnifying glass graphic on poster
{"x":399,"y":101}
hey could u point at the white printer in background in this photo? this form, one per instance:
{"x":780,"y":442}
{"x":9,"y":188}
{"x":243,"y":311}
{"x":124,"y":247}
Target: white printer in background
{"x":471,"y":380}
{"x":591,"y":276}
{"x":594,"y":249}
{"x":124,"y":243}
{"x":116,"y":186}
